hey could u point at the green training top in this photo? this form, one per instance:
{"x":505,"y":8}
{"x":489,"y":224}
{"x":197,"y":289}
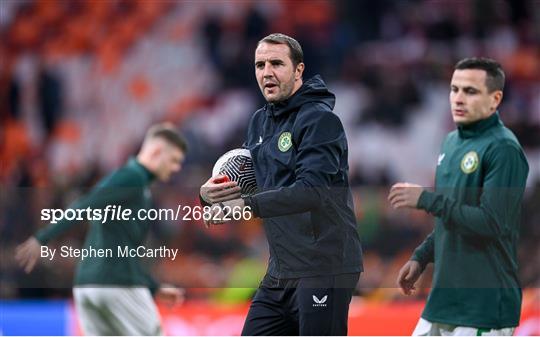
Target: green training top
{"x":127,"y":187}
{"x":479,"y":185}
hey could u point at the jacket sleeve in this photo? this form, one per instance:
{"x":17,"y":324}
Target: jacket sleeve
{"x":499,"y":207}
{"x":320,"y":142}
{"x":425,"y":253}
{"x":115,"y":191}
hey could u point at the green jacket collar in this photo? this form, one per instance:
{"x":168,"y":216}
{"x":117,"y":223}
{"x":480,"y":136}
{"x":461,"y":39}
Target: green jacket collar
{"x":133,"y":162}
{"x":478,"y":127}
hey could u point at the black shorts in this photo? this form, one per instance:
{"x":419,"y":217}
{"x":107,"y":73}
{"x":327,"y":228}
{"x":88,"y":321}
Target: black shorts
{"x":304,"y":306}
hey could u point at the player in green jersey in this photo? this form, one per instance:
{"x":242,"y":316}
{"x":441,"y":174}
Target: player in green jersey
{"x":479,"y":185}
{"x":113,"y":295}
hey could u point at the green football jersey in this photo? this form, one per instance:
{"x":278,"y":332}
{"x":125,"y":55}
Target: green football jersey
{"x":479,"y":185}
{"x":127,"y":187}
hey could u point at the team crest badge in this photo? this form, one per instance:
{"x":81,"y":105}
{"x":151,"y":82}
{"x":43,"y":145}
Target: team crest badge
{"x":469,"y":163}
{"x":285,"y":141}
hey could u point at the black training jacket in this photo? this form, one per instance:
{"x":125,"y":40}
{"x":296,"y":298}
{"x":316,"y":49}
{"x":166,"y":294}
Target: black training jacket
{"x":299,"y":151}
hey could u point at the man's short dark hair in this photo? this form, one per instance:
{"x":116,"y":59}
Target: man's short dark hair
{"x":295,"y":50}
{"x":494,"y":72}
{"x":169,"y":133}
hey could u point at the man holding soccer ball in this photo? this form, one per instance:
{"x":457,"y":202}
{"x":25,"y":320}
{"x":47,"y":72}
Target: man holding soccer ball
{"x":299,"y":152}
{"x":479,"y":185}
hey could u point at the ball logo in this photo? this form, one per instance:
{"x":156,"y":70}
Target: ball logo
{"x":469,"y":163}
{"x":285,"y":141}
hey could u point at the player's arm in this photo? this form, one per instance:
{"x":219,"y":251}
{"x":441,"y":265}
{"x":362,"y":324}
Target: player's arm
{"x":28,"y":252}
{"x":425,"y":252}
{"x":116,"y":190}
{"x":52,"y":230}
{"x":321,"y":142}
{"x":111,"y":192}
{"x":500,"y":202}
{"x":412,"y":269}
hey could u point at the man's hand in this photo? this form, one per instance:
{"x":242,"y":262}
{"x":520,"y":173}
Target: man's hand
{"x":27,"y":253}
{"x":407,"y":277}
{"x":214,"y":190}
{"x":170,"y":295}
{"x":218,"y":211}
{"x":405,"y":195}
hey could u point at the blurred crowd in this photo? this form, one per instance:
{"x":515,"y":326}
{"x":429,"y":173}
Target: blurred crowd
{"x":82,"y":80}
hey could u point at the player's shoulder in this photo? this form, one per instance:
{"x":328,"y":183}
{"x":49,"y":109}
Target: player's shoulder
{"x":317,"y":112}
{"x":129,"y":175}
{"x":503,"y":145}
{"x":258,"y":115}
{"x":316,"y":108}
{"x":256,"y":123}
{"x":503,"y":136}
{"x":323,"y":120}
{"x":452,"y":136}
{"x":259,"y":112}
{"x":500,"y":141}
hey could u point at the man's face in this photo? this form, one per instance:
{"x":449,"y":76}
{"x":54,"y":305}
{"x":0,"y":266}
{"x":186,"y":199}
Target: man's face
{"x":278,"y":79}
{"x":170,"y":161}
{"x":469,"y":96}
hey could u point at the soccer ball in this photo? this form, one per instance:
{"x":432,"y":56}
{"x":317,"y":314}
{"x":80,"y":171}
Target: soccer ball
{"x":238,"y":166}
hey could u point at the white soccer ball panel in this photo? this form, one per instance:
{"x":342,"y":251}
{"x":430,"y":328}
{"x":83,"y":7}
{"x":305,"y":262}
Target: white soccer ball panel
{"x":238,"y":166}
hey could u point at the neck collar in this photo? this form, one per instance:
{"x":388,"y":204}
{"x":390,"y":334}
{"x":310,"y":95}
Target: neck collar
{"x":476,"y":128}
{"x":140,"y":167}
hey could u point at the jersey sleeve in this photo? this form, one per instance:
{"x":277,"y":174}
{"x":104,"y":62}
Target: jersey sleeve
{"x":425,"y":252}
{"x":500,"y":202}
{"x":116,"y":190}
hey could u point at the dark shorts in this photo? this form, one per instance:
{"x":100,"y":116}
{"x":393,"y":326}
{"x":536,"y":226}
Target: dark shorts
{"x":304,"y":306}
